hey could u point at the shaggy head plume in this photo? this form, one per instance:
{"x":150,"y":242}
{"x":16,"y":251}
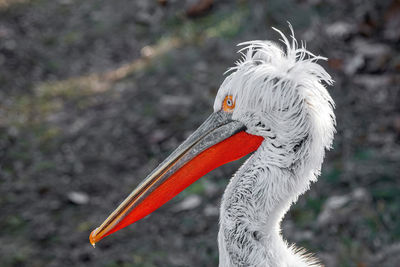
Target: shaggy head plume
{"x":280,"y":93}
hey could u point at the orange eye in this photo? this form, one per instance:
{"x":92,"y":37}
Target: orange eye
{"x":228,"y":105}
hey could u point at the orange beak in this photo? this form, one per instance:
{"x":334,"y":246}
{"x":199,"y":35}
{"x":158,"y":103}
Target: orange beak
{"x":217,"y":141}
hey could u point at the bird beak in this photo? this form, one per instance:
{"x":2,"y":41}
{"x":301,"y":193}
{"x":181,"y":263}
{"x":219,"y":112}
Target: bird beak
{"x":217,"y":141}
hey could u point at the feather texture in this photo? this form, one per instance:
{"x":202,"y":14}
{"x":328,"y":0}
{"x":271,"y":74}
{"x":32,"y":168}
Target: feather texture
{"x":279,"y":94}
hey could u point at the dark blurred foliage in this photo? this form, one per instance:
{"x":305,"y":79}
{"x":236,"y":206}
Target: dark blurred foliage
{"x":94,"y":94}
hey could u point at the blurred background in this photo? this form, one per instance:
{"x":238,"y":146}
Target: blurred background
{"x":94,"y":94}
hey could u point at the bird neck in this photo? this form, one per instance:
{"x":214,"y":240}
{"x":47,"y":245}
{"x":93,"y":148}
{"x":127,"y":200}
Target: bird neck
{"x":253,"y":205}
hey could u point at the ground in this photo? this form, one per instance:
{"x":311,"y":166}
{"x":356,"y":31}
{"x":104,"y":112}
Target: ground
{"x":94,"y":94}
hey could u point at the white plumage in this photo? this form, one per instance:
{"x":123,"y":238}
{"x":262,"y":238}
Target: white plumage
{"x":274,"y":103}
{"x":279,"y":94}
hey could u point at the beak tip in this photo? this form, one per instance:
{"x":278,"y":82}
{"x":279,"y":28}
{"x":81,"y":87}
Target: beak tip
{"x":93,"y":237}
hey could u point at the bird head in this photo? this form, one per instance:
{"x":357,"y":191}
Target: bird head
{"x":274,"y":97}
{"x":278,"y":93}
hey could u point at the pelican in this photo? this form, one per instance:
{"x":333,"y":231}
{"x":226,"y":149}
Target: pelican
{"x":273,"y":105}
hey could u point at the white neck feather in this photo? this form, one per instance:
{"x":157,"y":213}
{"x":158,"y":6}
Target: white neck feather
{"x":253,"y":205}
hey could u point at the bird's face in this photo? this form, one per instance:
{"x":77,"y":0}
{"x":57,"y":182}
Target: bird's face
{"x":281,"y":96}
{"x":270,"y":98}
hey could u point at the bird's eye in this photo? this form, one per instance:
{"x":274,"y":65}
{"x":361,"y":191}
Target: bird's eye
{"x":228,"y":105}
